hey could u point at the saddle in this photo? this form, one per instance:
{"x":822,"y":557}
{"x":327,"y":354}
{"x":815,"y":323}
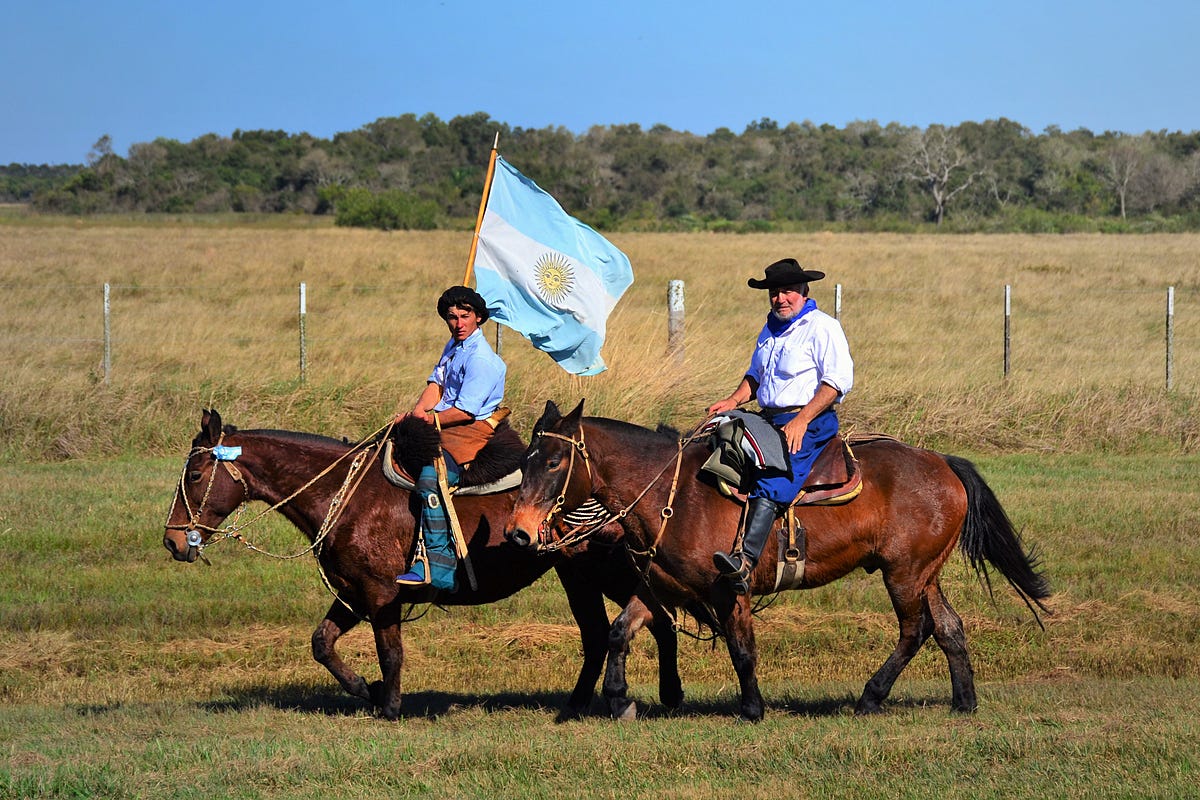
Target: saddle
{"x":835,"y":478}
{"x":495,"y":468}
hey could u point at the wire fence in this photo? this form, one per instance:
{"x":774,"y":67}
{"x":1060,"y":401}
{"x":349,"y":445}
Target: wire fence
{"x":1148,"y":336}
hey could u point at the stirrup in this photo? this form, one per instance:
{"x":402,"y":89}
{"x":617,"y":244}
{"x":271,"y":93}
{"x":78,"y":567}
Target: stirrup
{"x":417,"y":575}
{"x":734,"y":569}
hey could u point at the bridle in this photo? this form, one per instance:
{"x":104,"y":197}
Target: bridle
{"x":590,"y":520}
{"x":225,"y":456}
{"x":592,"y":515}
{"x":193,"y":527}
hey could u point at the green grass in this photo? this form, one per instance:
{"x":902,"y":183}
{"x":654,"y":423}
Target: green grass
{"x":1027,"y":742}
{"x":125,"y":674}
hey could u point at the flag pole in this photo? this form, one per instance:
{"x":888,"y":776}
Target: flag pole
{"x":487,"y":188}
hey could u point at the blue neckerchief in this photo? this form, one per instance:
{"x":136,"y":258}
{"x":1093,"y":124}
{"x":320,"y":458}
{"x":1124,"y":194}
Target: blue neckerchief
{"x":777,"y":326}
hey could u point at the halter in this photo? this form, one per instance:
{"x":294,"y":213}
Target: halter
{"x":556,"y":508}
{"x":233,"y":530}
{"x":193,"y":526}
{"x":592,"y":515}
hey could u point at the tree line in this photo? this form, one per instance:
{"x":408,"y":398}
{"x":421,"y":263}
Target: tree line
{"x":423,"y":172}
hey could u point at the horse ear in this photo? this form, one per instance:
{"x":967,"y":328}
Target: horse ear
{"x":549,"y":416}
{"x":210,"y":424}
{"x":576,"y":414}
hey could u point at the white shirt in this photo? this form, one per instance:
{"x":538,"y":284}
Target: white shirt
{"x":789,"y":367}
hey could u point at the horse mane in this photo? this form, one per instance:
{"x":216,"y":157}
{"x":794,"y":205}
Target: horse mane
{"x":636,"y":433}
{"x":418,"y":443}
{"x":299,"y":437}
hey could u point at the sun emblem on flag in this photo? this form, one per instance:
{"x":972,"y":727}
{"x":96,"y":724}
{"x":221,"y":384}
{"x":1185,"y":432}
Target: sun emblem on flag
{"x":555,"y":277}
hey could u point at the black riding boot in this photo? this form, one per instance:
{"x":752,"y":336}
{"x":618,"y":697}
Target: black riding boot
{"x":736,"y":568}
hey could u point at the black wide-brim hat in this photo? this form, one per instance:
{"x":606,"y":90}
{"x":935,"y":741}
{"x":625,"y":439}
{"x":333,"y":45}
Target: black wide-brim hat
{"x":785,"y":272}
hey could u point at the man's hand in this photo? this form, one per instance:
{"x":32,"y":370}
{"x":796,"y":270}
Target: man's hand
{"x":794,"y":430}
{"x":721,"y":406}
{"x":419,"y":413}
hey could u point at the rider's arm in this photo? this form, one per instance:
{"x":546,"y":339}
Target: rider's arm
{"x":795,"y":428}
{"x":744,"y":393}
{"x":453,"y":416}
{"x":428,"y":399}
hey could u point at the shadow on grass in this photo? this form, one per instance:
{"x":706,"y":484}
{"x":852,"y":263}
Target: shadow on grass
{"x":432,"y":704}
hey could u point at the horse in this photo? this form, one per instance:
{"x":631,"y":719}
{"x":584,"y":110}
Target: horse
{"x":915,"y":505}
{"x":363,"y":528}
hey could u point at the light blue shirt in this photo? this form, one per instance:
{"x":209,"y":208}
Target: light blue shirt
{"x":471,"y":376}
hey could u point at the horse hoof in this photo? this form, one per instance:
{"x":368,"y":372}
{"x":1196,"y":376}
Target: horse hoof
{"x":361,"y":690}
{"x":864,"y":709}
{"x":624,"y":710}
{"x":672,"y":700}
{"x":754,"y":716}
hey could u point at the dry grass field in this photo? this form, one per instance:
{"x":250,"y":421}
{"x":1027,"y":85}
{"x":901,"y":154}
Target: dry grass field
{"x":126,"y":675}
{"x":208,"y":315}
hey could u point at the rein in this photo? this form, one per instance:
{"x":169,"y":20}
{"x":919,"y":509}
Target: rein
{"x":585,"y":529}
{"x":354,"y":475}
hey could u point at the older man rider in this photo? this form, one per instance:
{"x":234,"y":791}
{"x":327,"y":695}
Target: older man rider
{"x":801,"y":369}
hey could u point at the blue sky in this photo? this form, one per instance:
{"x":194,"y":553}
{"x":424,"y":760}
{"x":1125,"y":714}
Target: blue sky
{"x":138,"y":70}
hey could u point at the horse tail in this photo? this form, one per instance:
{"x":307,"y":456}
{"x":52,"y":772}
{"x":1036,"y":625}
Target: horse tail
{"x":988,"y":536}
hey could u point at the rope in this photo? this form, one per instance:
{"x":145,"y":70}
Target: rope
{"x":354,"y":477}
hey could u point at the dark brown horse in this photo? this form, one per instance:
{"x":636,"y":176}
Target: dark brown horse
{"x":370,"y":538}
{"x":915,"y":506}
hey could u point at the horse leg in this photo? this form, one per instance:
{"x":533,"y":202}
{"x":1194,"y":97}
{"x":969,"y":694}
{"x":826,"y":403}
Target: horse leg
{"x":949,"y":634}
{"x":916,"y":625}
{"x":389,"y":646}
{"x":624,"y":627}
{"x":587,"y":606}
{"x":738,"y":625}
{"x":338,"y":620}
{"x":670,"y":687}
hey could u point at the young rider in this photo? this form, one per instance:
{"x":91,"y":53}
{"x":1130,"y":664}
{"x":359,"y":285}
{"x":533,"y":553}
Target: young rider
{"x":461,"y":396}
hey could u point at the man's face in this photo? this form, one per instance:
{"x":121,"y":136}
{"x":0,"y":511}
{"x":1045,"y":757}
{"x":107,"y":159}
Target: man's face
{"x":786,"y":302}
{"x":462,"y":322}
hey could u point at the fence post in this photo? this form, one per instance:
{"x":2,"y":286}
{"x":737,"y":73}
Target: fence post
{"x":1170,"y":337}
{"x":107,"y":335}
{"x":303,"y":343}
{"x":675,"y":320}
{"x":837,"y":302}
{"x":1007,"y":328}
{"x":499,"y":340}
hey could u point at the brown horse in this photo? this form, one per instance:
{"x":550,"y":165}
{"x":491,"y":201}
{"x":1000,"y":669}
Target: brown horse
{"x":915,"y":505}
{"x":369,"y":538}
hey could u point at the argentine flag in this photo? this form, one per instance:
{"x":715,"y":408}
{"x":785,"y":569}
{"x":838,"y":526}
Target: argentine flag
{"x":545,"y":274}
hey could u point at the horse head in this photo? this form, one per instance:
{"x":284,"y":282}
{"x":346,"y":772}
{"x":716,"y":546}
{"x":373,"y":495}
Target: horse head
{"x":556,"y":478}
{"x":210,"y":488}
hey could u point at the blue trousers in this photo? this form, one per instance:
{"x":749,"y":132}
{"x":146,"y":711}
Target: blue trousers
{"x":783,"y":489}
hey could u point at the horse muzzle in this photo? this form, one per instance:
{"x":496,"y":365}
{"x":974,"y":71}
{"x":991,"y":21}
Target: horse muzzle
{"x":188,"y":550}
{"x":521,"y":538}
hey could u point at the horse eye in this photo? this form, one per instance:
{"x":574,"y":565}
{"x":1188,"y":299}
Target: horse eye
{"x":194,"y":476}
{"x":553,"y":463}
